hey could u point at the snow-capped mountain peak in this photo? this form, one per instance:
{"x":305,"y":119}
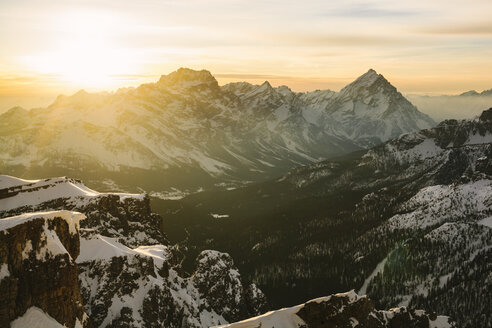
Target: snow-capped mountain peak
{"x":368,"y":78}
{"x":185,"y":78}
{"x":185,"y":121}
{"x":367,"y":84}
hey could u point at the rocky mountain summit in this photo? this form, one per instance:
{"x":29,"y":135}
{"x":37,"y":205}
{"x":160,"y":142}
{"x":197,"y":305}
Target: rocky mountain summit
{"x":186,"y":132}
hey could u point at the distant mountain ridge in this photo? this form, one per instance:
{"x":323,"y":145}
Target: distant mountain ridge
{"x":485,"y":93}
{"x":466,"y":105}
{"x":191,"y":132}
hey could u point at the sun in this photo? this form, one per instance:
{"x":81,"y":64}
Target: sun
{"x":84,"y":51}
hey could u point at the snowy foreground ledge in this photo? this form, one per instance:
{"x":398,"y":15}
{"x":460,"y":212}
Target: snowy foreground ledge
{"x":72,"y":219}
{"x":24,"y":193}
{"x":342,"y":310}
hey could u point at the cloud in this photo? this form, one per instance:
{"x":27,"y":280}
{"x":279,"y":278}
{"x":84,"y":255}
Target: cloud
{"x":350,"y":40}
{"x":369,"y":10}
{"x":481,"y":28}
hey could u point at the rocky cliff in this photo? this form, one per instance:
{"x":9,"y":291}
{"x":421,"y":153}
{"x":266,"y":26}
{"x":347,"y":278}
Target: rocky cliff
{"x":38,"y":268}
{"x":344,"y":311}
{"x":128,"y":273}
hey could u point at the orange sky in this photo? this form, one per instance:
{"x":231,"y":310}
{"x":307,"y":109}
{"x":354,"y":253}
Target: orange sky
{"x":53,"y":47}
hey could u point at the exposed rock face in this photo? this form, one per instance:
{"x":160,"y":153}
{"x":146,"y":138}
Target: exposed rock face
{"x":127,"y":217}
{"x":486,"y":115}
{"x":37,"y":261}
{"x":340,"y":311}
{"x":219,"y":282}
{"x":128,"y":274}
{"x":187,"y":132}
{"x":155,"y":293}
{"x":345,"y":310}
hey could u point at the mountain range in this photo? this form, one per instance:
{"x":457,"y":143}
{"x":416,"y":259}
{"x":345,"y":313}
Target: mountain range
{"x":109,"y":267}
{"x":186,"y":132}
{"x":251,"y":198}
{"x":408,"y":222}
{"x":113,"y":267}
{"x":484,"y":93}
{"x":466,"y":105}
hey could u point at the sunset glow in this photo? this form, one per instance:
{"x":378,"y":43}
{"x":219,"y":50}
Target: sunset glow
{"x":424,"y":47}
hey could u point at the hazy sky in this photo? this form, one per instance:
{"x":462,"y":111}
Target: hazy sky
{"x":50,"y":47}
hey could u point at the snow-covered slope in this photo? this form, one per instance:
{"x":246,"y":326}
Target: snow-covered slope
{"x":143,"y":286}
{"x":343,"y":310}
{"x":119,"y":215}
{"x":405,"y":222}
{"x":35,"y":192}
{"x":37,"y":318}
{"x":193,"y":132}
{"x":128,"y":272}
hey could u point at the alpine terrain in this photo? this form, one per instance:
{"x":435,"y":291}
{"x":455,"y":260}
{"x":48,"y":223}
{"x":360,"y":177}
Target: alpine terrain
{"x":108,"y":267}
{"x":408,"y":222}
{"x":343,"y":310}
{"x":185,"y":132}
{"x":112,"y":267}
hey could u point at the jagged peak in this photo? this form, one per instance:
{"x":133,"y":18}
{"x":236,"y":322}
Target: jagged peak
{"x":265,"y":86}
{"x":486,"y":92}
{"x":238,"y":88}
{"x":284,"y":90}
{"x":186,"y":77}
{"x":486,"y":115}
{"x":368,"y":78}
{"x":284,"y":87}
{"x":238,"y":84}
{"x":365,"y":81}
{"x":80,"y":93}
{"x":470,"y":93}
{"x":16,"y":110}
{"x":81,"y":99}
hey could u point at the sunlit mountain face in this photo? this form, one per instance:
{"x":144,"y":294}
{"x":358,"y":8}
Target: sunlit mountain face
{"x":185,"y":132}
{"x":275,"y":164}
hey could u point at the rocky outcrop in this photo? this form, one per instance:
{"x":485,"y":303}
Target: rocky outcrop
{"x":345,"y":310}
{"x":37,"y":261}
{"x":141,"y":288}
{"x":219,"y":282}
{"x":127,"y":217}
{"x":127,"y":272}
{"x":486,"y":115}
